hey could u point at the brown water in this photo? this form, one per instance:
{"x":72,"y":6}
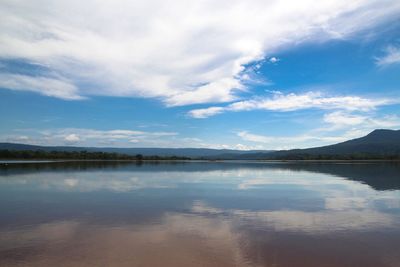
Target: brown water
{"x":200,"y":214}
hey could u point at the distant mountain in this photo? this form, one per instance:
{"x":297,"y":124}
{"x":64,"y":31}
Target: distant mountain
{"x":164,"y":152}
{"x":377,"y":143}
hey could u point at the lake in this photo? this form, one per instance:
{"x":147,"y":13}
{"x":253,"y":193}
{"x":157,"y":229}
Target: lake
{"x":200,"y":214}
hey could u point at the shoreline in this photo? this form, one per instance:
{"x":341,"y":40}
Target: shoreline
{"x":38,"y":161}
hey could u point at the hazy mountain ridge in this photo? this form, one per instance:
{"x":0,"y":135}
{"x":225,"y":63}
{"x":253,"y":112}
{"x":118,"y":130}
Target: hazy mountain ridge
{"x":378,"y":142}
{"x":184,"y":152}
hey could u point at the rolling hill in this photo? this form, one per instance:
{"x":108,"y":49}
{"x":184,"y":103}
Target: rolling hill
{"x":379,"y":143}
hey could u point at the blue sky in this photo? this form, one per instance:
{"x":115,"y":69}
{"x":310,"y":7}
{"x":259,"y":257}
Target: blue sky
{"x":254,"y":75}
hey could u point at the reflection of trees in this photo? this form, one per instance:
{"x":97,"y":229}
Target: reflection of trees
{"x":379,"y":175}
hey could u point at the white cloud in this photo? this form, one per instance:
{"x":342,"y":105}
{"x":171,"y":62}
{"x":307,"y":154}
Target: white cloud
{"x":365,"y":122}
{"x":291,"y":102}
{"x":340,"y":118}
{"x":289,"y":142}
{"x":72,"y":138}
{"x":75,"y":135}
{"x":273,"y":59}
{"x":55,"y":87}
{"x":392,"y":56}
{"x":206,"y":112}
{"x":178,"y":51}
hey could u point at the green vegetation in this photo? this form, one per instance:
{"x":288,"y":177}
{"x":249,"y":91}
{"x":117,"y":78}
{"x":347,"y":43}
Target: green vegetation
{"x":77,"y":155}
{"x":87,"y":155}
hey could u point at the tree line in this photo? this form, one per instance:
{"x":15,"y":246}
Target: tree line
{"x":88,"y":155}
{"x":78,"y":155}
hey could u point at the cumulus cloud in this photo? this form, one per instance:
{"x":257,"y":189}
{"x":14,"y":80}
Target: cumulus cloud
{"x":72,"y":138}
{"x":205,"y":112}
{"x":274,"y":59}
{"x":391,"y":56}
{"x":291,"y":102}
{"x":178,"y":51}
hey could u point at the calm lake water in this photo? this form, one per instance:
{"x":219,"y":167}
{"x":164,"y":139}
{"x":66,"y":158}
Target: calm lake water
{"x":200,"y":214}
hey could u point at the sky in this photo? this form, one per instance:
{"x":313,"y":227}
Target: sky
{"x":214,"y":74}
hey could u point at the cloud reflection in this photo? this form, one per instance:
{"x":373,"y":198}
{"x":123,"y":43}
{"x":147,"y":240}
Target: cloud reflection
{"x":225,"y":217}
{"x":302,"y":221}
{"x":180,"y":240}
